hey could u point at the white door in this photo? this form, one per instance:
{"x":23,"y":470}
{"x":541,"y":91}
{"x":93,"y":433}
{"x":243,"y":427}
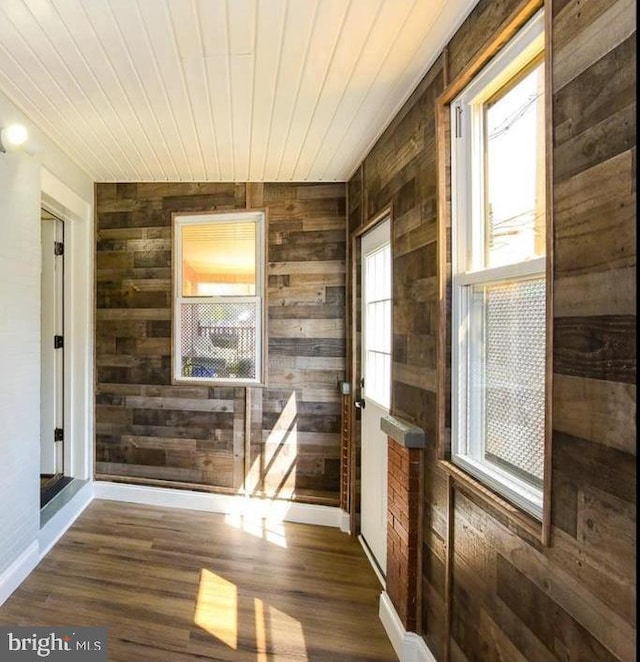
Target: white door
{"x":376,"y":388}
{"x":52,"y":346}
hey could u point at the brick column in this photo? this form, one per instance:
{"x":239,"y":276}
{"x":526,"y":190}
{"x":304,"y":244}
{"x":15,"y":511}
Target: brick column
{"x":405,"y":444}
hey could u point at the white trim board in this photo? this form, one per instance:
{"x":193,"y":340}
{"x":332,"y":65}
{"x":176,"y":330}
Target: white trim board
{"x":57,"y":526}
{"x":372,"y":562}
{"x":18,"y":571}
{"x":48,"y":536}
{"x":409,"y":646}
{"x":77,"y":214}
{"x":227,"y":504}
{"x":345,"y":522}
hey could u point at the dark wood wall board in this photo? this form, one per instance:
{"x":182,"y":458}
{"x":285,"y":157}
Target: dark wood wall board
{"x":564,"y":509}
{"x":593,"y":212}
{"x":571,"y":18}
{"x":328,"y":347}
{"x":597,"y":465}
{"x":416,"y":405}
{"x":479,"y":29}
{"x":436,"y":510}
{"x":605,"y":88}
{"x":477,"y":546}
{"x":596,"y":347}
{"x":476,"y":634}
{"x":612,"y":585}
{"x":613,"y":135}
{"x":606,"y":526}
{"x":596,"y":410}
{"x":355,"y":207}
{"x":553,"y":625}
{"x":151,"y":429}
{"x":433,"y":616}
{"x":592,"y":35}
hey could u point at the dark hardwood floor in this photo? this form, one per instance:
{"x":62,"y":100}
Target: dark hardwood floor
{"x":179,"y":586}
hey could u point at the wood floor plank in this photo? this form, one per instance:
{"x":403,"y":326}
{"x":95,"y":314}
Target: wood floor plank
{"x":178,"y":586}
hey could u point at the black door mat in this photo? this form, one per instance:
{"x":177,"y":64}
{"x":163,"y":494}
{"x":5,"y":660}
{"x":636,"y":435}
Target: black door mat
{"x":52,"y":487}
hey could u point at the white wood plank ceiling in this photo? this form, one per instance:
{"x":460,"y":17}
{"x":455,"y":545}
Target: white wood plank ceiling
{"x":218,"y":90}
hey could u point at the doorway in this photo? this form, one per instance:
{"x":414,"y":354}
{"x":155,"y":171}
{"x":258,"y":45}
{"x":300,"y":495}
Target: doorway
{"x":376,"y":280}
{"x":52,"y":451}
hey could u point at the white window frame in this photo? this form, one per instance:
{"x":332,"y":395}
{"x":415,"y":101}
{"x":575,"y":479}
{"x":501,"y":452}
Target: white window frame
{"x":182,"y":220}
{"x":467,"y":206}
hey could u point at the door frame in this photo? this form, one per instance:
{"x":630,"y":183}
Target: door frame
{"x":76,"y":213}
{"x":354,"y":351}
{"x":51,"y":324}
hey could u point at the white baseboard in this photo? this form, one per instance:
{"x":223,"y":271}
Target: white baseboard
{"x":57,"y":526}
{"x":345,"y":522}
{"x":409,"y":646}
{"x":18,"y":571}
{"x":48,"y":536}
{"x":373,"y":562}
{"x":227,"y":504}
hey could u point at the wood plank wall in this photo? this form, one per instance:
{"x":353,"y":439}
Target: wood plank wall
{"x":148,"y":430}
{"x":510,"y":597}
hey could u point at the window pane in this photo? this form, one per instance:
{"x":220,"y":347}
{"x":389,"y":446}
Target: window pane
{"x":219,"y":340}
{"x":378,"y":371}
{"x":219,"y":259}
{"x":514,"y":124}
{"x":378,"y":275}
{"x":377,"y":336}
{"x":507,"y":377}
{"x":378,"y":331}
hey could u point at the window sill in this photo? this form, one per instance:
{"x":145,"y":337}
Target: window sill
{"x":222,"y":383}
{"x":512,"y":516}
{"x":513,"y":490}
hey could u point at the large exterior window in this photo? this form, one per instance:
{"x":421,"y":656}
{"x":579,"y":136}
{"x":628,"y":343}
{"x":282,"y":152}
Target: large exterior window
{"x":498,"y":280}
{"x":218,"y":303}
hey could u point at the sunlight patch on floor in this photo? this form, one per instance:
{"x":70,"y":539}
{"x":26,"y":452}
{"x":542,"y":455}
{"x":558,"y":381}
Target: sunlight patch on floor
{"x":278,"y":633}
{"x":261,"y":634}
{"x":217,"y":608}
{"x":218,"y":612}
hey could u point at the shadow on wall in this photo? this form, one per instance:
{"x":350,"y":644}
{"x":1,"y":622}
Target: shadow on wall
{"x":274,"y":471}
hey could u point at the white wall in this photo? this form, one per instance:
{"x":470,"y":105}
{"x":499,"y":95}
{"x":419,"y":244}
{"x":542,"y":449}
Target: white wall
{"x":20,"y":200}
{"x":19,"y":354}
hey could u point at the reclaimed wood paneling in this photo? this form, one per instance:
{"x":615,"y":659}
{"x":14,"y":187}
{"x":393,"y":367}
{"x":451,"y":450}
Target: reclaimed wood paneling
{"x":511,"y":597}
{"x":594,"y":446}
{"x":586,"y":32}
{"x":301,"y":409}
{"x":596,"y":410}
{"x":285,"y":438}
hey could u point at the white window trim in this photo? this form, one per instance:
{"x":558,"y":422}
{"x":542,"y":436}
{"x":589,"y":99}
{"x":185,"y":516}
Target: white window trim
{"x":467,"y":201}
{"x":180,"y":220}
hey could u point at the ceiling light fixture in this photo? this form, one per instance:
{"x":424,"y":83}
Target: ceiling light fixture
{"x":12,"y":137}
